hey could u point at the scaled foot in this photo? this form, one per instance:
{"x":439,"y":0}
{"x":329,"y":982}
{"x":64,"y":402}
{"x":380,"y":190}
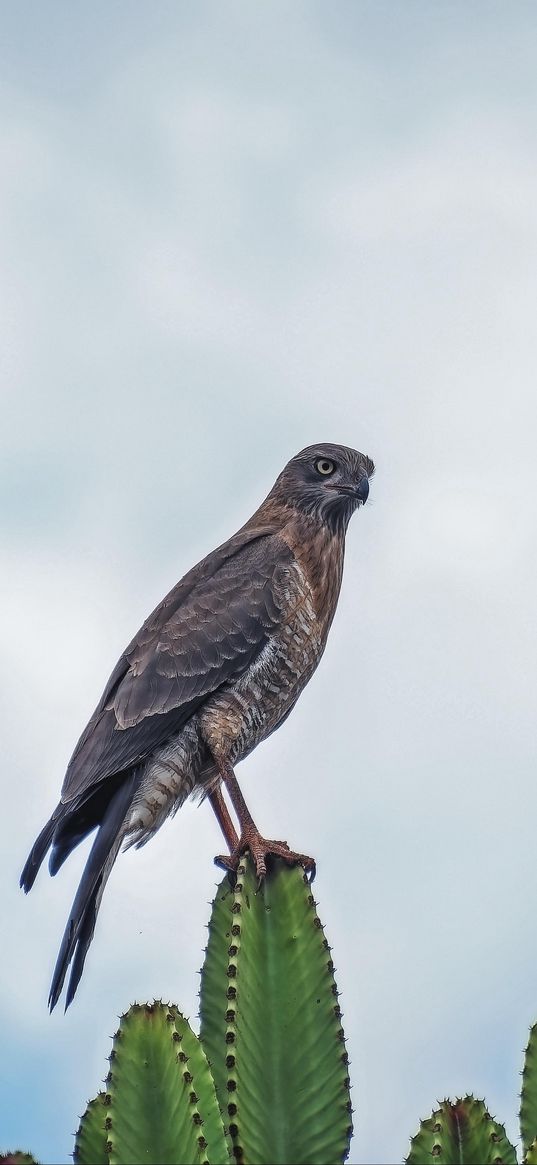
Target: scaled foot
{"x":260,"y":849}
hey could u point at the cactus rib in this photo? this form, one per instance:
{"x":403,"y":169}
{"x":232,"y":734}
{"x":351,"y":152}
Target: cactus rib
{"x":218,"y":1146}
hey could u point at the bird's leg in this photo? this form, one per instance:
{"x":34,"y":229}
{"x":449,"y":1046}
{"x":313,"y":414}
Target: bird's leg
{"x":250,"y":839}
{"x":223,"y":817}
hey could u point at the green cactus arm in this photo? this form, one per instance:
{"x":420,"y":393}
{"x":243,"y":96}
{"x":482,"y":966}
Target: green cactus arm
{"x":154,"y":1110}
{"x":268,"y":989}
{"x":17,"y":1157}
{"x":528,"y":1102}
{"x":91,"y":1138}
{"x":461,"y":1133}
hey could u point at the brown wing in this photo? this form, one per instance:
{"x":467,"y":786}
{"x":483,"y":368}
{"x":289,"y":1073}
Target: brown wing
{"x":206,"y":632}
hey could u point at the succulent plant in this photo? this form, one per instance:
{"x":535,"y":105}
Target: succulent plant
{"x":160,"y":1104}
{"x":271,"y":1022}
{"x":266,"y":1081}
{"x":462,"y":1132}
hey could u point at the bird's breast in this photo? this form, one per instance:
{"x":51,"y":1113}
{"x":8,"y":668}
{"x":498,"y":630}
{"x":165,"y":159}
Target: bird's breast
{"x":240,"y":716}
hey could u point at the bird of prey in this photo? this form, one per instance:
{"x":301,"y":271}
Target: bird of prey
{"x":214,"y":670}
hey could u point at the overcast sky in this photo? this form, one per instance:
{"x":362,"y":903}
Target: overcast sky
{"x":229,"y":230}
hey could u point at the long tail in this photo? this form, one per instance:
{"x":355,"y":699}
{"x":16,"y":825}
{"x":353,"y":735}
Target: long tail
{"x":81,"y":923}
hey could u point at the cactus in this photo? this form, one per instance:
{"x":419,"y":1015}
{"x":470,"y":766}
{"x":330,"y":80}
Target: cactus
{"x":160,"y":1104}
{"x":270,"y":1031}
{"x":270,"y":1062}
{"x":462,"y":1132}
{"x":271,"y":1022}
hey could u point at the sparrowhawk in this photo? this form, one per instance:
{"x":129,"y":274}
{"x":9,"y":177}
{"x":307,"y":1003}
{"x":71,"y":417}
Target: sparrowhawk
{"x":214,"y":670}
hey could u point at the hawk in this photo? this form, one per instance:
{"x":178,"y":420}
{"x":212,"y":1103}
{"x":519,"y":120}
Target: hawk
{"x":215,"y":669}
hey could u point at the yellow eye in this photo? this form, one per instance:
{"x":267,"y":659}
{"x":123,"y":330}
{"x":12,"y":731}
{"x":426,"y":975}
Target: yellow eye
{"x":324,"y":466}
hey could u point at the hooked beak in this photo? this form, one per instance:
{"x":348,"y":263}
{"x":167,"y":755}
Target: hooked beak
{"x":360,"y":491}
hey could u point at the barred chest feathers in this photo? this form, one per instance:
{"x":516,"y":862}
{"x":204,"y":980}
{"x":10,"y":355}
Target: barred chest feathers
{"x":238,"y":718}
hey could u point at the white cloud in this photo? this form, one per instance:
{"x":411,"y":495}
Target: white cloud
{"x":471,"y":176}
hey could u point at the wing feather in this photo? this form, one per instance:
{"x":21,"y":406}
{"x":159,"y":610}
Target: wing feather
{"x":205,"y":633}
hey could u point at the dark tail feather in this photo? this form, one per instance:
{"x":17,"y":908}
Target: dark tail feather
{"x":69,"y":825}
{"x":40,"y":847}
{"x":81,"y":925}
{"x":63,"y":845}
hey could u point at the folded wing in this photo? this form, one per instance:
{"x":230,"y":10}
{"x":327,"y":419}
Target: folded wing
{"x":202,"y":636}
{"x":207,"y":632}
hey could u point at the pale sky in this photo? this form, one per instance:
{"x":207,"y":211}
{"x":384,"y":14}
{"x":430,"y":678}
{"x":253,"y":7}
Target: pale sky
{"x":229,"y":230}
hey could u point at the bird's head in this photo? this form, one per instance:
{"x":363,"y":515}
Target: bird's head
{"x":326,"y":481}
